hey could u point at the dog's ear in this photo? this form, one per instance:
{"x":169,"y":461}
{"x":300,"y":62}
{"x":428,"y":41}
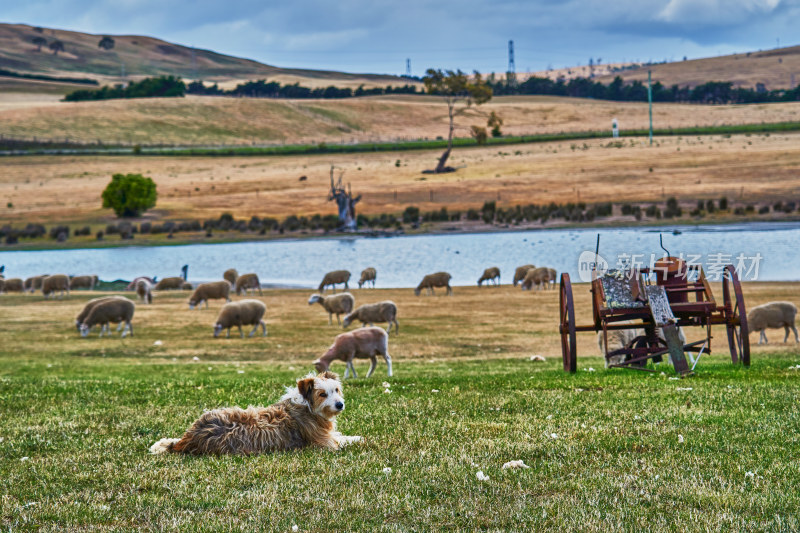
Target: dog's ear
{"x":328,"y":375}
{"x":306,"y":387}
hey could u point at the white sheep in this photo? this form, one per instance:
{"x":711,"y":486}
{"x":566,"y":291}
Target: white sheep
{"x":773,"y":315}
{"x":437,"y":279}
{"x":55,"y":283}
{"x":519,"y":273}
{"x":540,"y":277}
{"x":116,"y":310}
{"x":337,"y":304}
{"x":385,"y":311}
{"x":332,"y":278}
{"x":367,"y":275}
{"x":144,"y":289}
{"x":248,"y":281}
{"x":89,"y":306}
{"x":241,"y":313}
{"x":622,"y":338}
{"x":491,"y":274}
{"x":207,"y":291}
{"x":230,"y":276}
{"x":364,"y":343}
{"x":173,"y":283}
{"x":83,"y":282}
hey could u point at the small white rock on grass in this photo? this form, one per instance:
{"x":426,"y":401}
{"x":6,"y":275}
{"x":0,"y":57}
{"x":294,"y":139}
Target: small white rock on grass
{"x":481,"y":476}
{"x":386,"y":385}
{"x":387,"y":470}
{"x":538,"y":359}
{"x":157,"y":343}
{"x":680,"y":439}
{"x":387,"y":391}
{"x":515,"y":464}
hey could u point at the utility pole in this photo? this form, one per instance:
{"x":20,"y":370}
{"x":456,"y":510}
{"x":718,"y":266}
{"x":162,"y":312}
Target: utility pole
{"x":650,"y":104}
{"x":408,"y":67}
{"x":511,"y":73}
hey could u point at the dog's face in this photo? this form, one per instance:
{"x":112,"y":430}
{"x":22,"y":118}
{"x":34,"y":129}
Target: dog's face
{"x":323,"y":394}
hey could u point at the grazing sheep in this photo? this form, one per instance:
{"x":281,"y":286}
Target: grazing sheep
{"x":230,"y":276}
{"x":338,"y":304}
{"x":491,"y":274}
{"x":34,"y":283}
{"x":82,"y":282}
{"x":89,"y":306}
{"x":2,"y":284}
{"x":248,"y":281}
{"x":537,"y":276}
{"x":362,"y":343}
{"x":207,"y":291}
{"x":367,"y":275}
{"x":622,"y":338}
{"x":241,"y":313}
{"x":332,"y":278}
{"x":14,"y":285}
{"x":55,"y":283}
{"x":553,"y":276}
{"x":173,"y":283}
{"x":144,"y":289}
{"x":385,"y":311}
{"x":773,"y":315}
{"x":116,"y":310}
{"x":438,"y":279}
{"x":519,"y":273}
{"x":187,"y":286}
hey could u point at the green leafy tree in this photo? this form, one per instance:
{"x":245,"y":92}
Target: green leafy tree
{"x":129,"y":195}
{"x":106,"y":43}
{"x":455,"y":88}
{"x":39,"y":41}
{"x":56,"y":46}
{"x":494,"y":123}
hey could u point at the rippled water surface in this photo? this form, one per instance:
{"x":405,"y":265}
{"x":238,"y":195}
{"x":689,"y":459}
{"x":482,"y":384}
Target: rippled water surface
{"x":402,"y":261}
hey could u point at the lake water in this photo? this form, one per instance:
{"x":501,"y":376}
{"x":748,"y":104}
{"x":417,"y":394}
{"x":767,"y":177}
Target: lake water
{"x":767,"y":250}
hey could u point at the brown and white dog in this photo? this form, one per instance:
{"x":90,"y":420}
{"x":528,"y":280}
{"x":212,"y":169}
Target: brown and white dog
{"x":304,"y":416}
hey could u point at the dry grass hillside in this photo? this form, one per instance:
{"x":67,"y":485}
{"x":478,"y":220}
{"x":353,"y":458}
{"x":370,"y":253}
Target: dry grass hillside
{"x":745,"y":168}
{"x":204,"y":120}
{"x":146,"y":56}
{"x":778,"y":68}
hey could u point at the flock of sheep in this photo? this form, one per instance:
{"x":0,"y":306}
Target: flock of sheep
{"x":366,"y":342}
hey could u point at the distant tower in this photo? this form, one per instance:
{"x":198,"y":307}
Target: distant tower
{"x":511,"y":73}
{"x":408,"y":67}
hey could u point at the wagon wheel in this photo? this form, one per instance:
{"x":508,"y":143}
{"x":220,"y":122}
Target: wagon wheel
{"x":735,"y":317}
{"x":567,"y":327}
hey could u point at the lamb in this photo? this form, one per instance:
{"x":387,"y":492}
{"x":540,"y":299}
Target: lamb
{"x":89,"y":306}
{"x":132,"y":285}
{"x":206,"y":291}
{"x":773,"y":315}
{"x":491,"y":274}
{"x":362,"y":343}
{"x":332,"y":278}
{"x":83,"y":282}
{"x":385,"y":311}
{"x":117,"y":310}
{"x":338,"y":304}
{"x":367,"y":275}
{"x":438,"y":279}
{"x":144,"y":289}
{"x":230,"y":276}
{"x":241,"y":313}
{"x":248,"y":281}
{"x":55,"y":283}
{"x":536,"y":276}
{"x":13,"y":285}
{"x":622,"y":338}
{"x":170,"y":284}
{"x":34,"y":283}
{"x":519,"y":273}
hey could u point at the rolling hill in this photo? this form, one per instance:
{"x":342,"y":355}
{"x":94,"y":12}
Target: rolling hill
{"x":139,"y":56}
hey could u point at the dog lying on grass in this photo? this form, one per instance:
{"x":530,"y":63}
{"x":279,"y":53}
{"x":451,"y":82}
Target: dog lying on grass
{"x":304,"y":416}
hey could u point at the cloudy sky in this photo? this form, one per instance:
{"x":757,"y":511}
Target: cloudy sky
{"x":378,"y":36}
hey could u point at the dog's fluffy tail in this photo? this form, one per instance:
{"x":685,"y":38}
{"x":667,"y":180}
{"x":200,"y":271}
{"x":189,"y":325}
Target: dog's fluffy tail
{"x":163,"y":446}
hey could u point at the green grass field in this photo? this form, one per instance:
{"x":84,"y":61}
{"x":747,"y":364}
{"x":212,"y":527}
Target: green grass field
{"x":604,"y":448}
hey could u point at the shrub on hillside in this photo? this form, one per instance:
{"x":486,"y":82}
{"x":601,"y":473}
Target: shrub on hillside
{"x":129,"y":195}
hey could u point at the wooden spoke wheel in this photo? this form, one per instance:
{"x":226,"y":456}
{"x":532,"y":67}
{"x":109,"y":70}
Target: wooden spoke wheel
{"x":735,"y":316}
{"x":567,"y":326}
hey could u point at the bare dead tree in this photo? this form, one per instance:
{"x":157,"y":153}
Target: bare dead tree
{"x":345,"y":201}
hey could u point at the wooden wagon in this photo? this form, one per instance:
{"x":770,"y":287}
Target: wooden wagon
{"x":657,"y":302}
